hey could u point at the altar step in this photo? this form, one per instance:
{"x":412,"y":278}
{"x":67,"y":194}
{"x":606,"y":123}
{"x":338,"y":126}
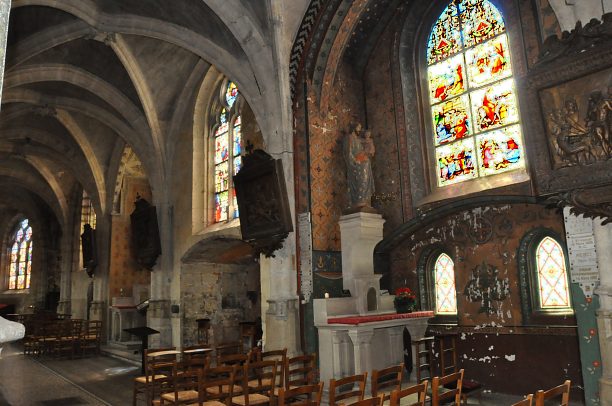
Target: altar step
{"x":128,"y":350}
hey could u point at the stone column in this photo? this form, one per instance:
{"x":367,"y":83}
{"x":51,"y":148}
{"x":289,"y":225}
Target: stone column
{"x":282,"y":314}
{"x":64,"y":306}
{"x":603,"y":243}
{"x":361,"y":351}
{"x":158,"y":313}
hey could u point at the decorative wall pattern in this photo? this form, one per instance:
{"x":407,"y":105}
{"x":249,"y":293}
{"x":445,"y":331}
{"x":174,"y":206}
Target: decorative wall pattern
{"x":124,"y":271}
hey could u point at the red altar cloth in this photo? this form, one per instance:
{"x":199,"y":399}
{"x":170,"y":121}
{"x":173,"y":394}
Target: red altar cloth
{"x":356,"y":320}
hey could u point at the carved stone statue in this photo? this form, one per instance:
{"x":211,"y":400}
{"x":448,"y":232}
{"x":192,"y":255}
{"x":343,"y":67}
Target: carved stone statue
{"x":10,"y":330}
{"x":358,"y":153}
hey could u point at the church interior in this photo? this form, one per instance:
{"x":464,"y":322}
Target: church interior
{"x":288,"y":174}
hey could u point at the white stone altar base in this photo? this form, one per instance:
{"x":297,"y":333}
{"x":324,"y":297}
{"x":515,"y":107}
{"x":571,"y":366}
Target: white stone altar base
{"x":347,"y":349}
{"x":360,"y":333}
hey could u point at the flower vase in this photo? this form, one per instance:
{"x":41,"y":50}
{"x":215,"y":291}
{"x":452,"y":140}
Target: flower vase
{"x":403,"y":308}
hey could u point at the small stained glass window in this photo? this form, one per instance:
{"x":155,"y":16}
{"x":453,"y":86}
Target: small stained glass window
{"x":21,"y":257}
{"x":475,"y":118}
{"x":552,"y":275}
{"x":444,"y":276}
{"x":227,"y":150}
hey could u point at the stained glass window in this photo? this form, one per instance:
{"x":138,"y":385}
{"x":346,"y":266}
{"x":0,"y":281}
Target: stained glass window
{"x":227,"y":150}
{"x":88,"y":216}
{"x":552,"y":275}
{"x":444,"y":276}
{"x":475,"y":119}
{"x":20,"y":265}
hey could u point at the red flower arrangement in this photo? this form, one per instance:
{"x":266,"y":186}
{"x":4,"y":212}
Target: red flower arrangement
{"x":404,"y":298}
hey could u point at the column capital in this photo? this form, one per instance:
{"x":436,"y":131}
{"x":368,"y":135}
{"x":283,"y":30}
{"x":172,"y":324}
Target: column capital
{"x":279,"y":307}
{"x":360,"y":337}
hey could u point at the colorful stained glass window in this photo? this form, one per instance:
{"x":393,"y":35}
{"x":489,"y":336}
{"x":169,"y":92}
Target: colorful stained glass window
{"x":451,"y":120}
{"x":552,"y":275}
{"x":21,"y":257}
{"x":456,"y":162}
{"x":500,"y":150}
{"x":231,"y":93}
{"x":227,"y":153}
{"x":444,"y":276}
{"x":472,"y":94}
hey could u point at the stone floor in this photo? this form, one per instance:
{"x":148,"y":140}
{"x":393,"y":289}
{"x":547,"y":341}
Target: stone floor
{"x":102,"y":380}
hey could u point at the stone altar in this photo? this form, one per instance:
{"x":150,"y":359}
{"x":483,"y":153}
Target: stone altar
{"x":362,"y":332}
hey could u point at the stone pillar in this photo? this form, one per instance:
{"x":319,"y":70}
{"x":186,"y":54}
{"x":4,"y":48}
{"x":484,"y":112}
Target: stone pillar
{"x":158,"y":313}
{"x":361,"y":352}
{"x":66,"y":249}
{"x":282,"y":314}
{"x":603,"y":243}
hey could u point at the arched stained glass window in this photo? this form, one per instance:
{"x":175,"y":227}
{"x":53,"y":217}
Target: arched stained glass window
{"x":226,"y":153}
{"x":88,"y":214}
{"x":20,"y":266}
{"x":444,"y":285}
{"x":475,"y":120}
{"x":553,"y":287}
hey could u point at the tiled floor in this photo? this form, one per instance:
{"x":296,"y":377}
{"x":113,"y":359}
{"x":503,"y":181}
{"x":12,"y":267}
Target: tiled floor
{"x":28,"y":381}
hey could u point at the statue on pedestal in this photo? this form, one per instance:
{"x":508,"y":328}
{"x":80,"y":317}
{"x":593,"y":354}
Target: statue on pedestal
{"x":358,"y":153}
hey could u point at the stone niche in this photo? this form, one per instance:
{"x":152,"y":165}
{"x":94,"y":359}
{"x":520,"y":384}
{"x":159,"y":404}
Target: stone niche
{"x":225,"y":294}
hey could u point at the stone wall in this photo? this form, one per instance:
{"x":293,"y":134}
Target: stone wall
{"x":218,"y":292}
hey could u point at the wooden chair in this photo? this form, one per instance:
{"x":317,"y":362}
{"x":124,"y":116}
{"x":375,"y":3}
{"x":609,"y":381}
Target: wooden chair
{"x":305,"y":395}
{"x":222,"y":382}
{"x":157,"y":380}
{"x":301,"y":370}
{"x":447,"y":344}
{"x":258,"y":380}
{"x":423,"y":350}
{"x":210,"y":390}
{"x":525,"y":402}
{"x":441,"y":393}
{"x":91,"y":336}
{"x":385,"y":381}
{"x":183,"y":388}
{"x":373,"y":401}
{"x":158,"y":372}
{"x":234,"y":347}
{"x":413,"y":396}
{"x":562,"y":390}
{"x":281,"y":357}
{"x":232,"y":359}
{"x":348,"y":389}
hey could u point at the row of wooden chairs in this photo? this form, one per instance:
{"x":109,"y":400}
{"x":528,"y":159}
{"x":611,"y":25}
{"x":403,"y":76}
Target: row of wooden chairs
{"x":440,"y":353}
{"x":289,"y":372}
{"x":388,"y":381}
{"x":541,"y":396}
{"x":63,"y":337}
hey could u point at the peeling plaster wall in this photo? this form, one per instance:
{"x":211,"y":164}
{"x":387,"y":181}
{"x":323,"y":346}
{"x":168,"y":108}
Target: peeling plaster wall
{"x":495,"y":347}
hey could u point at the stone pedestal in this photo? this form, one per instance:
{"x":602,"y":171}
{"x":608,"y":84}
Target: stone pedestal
{"x":360,"y":232}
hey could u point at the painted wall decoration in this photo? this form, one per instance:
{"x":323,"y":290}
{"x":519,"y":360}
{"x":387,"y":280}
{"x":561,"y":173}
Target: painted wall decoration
{"x":485,"y":286}
{"x":579,"y":123}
